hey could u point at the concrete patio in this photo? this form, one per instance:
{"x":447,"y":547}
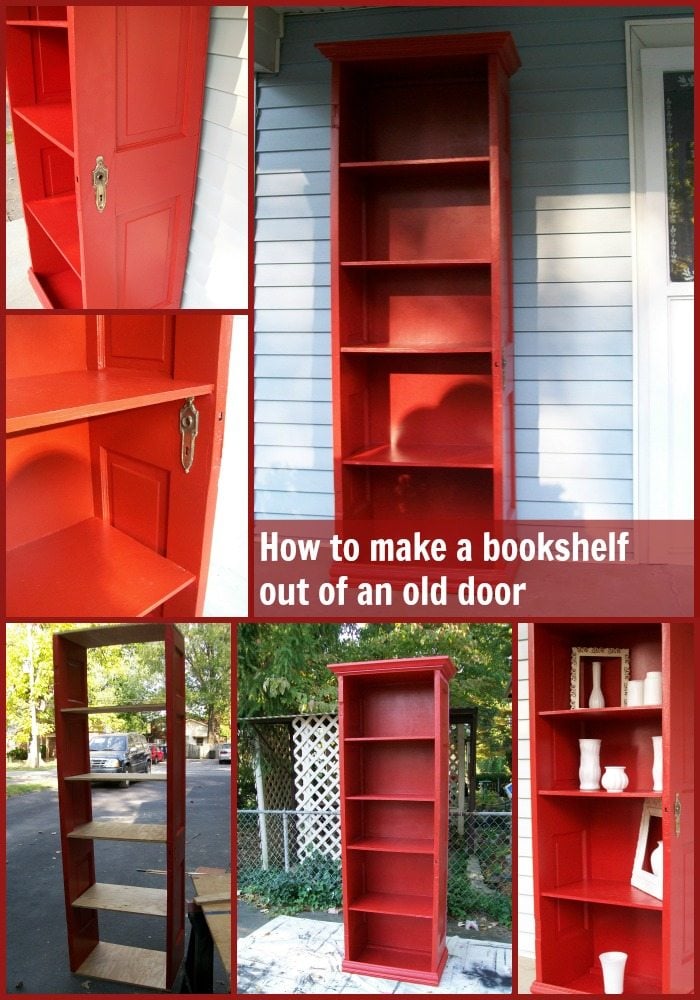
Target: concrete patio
{"x":296,"y":955}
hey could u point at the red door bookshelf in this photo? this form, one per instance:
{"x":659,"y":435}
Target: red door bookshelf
{"x":421,"y":276}
{"x":393,"y":786}
{"x":585,"y":842}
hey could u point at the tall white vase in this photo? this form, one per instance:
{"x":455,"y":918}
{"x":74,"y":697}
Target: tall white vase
{"x":657,"y":767}
{"x":652,"y":687}
{"x":589,"y":766}
{"x":596,"y":699}
{"x":613,"y":966}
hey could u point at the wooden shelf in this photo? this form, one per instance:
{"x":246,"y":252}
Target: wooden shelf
{"x":601,"y":793}
{"x":58,"y":218}
{"x":395,"y":903}
{"x":124,"y":899}
{"x":54,"y":121}
{"x":124,"y":964}
{"x":98,"y":777}
{"x":125,"y":578}
{"x":116,"y":830}
{"x":37,"y":24}
{"x":390,"y":798}
{"x":389,"y":739}
{"x":605,"y":892}
{"x":96,"y":709}
{"x":437,"y":165}
{"x":393,"y":958}
{"x":47,"y":400}
{"x":399,"y":845}
{"x":593,"y":983}
{"x":422,"y":349}
{"x":614,"y":712}
{"x":437,"y":456}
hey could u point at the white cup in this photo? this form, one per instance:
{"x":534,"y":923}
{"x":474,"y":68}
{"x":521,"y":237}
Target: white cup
{"x":635,"y":692}
{"x":652,"y":688}
{"x":613,"y":965}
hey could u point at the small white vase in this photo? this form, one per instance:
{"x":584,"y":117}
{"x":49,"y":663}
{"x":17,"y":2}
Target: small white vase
{"x":657,"y":767}
{"x":656,"y":860}
{"x":652,"y":688}
{"x":596,"y":699}
{"x":635,"y":693}
{"x":613,"y":966}
{"x":614,"y":779}
{"x":589,"y":767}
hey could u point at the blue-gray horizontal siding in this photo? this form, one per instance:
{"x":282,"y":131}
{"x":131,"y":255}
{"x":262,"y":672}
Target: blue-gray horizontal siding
{"x":571,"y":250}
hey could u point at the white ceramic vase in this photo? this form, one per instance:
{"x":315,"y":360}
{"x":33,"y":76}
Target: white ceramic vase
{"x":657,"y":767}
{"x":656,"y":860}
{"x":596,"y":699}
{"x":635,"y":692}
{"x":614,"y":778}
{"x":652,"y":688}
{"x":589,"y":767}
{"x":613,"y":966}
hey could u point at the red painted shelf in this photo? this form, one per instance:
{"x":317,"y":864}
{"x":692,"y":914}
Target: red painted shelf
{"x":599,"y":794}
{"x":606,"y":892}
{"x":400,"y":904}
{"x":37,"y":24}
{"x":54,"y":121}
{"x":404,"y":845}
{"x":440,"y":456}
{"x":592,"y":982}
{"x":58,"y":218}
{"x":629,"y":712}
{"x":446,"y":348}
{"x":388,"y":739}
{"x":455,"y":164}
{"x":397,"y":960}
{"x":390,"y":798}
{"x":46,"y":400}
{"x":125,"y":578}
{"x":57,"y":290}
{"x":417,"y":262}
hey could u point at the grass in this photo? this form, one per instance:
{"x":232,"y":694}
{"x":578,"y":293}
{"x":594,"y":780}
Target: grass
{"x":22,"y":789}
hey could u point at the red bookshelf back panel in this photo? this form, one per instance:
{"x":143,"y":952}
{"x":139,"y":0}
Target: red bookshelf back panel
{"x":390,"y":821}
{"x":35,"y":13}
{"x":389,"y":708}
{"x":417,"y":492}
{"x":44,"y":54}
{"x":391,"y":769}
{"x":410,"y":116}
{"x":383,"y":873}
{"x":48,"y":170}
{"x":432,"y":309}
{"x":381,"y":939}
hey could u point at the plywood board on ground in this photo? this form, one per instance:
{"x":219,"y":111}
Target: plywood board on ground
{"x":124,"y":964}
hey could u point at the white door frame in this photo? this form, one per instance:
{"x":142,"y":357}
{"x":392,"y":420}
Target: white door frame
{"x":654,"y":496}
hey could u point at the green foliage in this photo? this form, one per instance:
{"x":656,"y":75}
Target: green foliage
{"x":25,"y":789}
{"x":314,"y":884}
{"x":466,"y":902}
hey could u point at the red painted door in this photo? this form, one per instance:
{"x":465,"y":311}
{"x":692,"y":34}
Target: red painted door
{"x":137,"y":77}
{"x":678,"y":819}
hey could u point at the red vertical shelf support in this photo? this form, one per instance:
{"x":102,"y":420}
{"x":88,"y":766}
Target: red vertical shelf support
{"x":421,"y":276}
{"x":84,"y":895}
{"x":394,"y":734}
{"x":585,"y":842}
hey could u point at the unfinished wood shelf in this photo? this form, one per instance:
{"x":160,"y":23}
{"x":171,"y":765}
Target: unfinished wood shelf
{"x":85,"y":896}
{"x":109,"y":505}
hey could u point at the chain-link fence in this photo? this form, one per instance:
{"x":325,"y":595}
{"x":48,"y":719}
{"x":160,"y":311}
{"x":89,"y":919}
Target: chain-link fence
{"x":479,"y":854}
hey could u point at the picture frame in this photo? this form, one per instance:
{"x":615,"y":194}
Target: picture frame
{"x":615,"y":690}
{"x":649,"y":835}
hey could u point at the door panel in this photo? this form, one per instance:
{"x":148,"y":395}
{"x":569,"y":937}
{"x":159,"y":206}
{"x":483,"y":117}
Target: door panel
{"x":139,"y":105}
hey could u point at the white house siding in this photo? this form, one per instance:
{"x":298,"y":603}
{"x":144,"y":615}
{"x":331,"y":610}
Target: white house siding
{"x":572,"y":264}
{"x":217,"y":263}
{"x":526,"y":896}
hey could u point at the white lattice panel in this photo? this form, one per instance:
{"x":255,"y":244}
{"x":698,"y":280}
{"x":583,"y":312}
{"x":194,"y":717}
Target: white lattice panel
{"x":317,"y":778}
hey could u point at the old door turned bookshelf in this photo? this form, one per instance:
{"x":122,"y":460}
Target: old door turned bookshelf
{"x":421,"y":276}
{"x":106,"y":114}
{"x":587,"y":843}
{"x":109,"y":498}
{"x":84,"y":895}
{"x":394,"y":734}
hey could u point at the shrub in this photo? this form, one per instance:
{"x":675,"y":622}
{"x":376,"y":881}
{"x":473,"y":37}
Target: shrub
{"x":314,"y":884}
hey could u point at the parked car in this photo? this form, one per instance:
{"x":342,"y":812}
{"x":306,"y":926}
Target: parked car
{"x":157,"y":754}
{"x":119,"y":753}
{"x":225,"y":753}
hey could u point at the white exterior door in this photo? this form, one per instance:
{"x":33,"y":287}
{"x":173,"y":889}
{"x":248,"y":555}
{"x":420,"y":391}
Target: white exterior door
{"x":661,"y":115}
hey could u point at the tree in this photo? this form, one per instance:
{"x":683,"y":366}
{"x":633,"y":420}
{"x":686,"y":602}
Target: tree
{"x":208,"y":675}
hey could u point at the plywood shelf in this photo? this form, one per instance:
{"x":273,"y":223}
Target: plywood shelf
{"x":125,"y":578}
{"x":116,"y":830}
{"x":124,"y":899}
{"x":47,"y":400}
{"x":123,"y":964}
{"x":97,"y":709}
{"x":97,"y":777}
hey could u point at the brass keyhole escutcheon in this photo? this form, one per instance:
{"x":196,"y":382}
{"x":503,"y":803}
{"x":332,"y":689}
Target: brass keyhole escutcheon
{"x":189,"y":428}
{"x":100,"y":177}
